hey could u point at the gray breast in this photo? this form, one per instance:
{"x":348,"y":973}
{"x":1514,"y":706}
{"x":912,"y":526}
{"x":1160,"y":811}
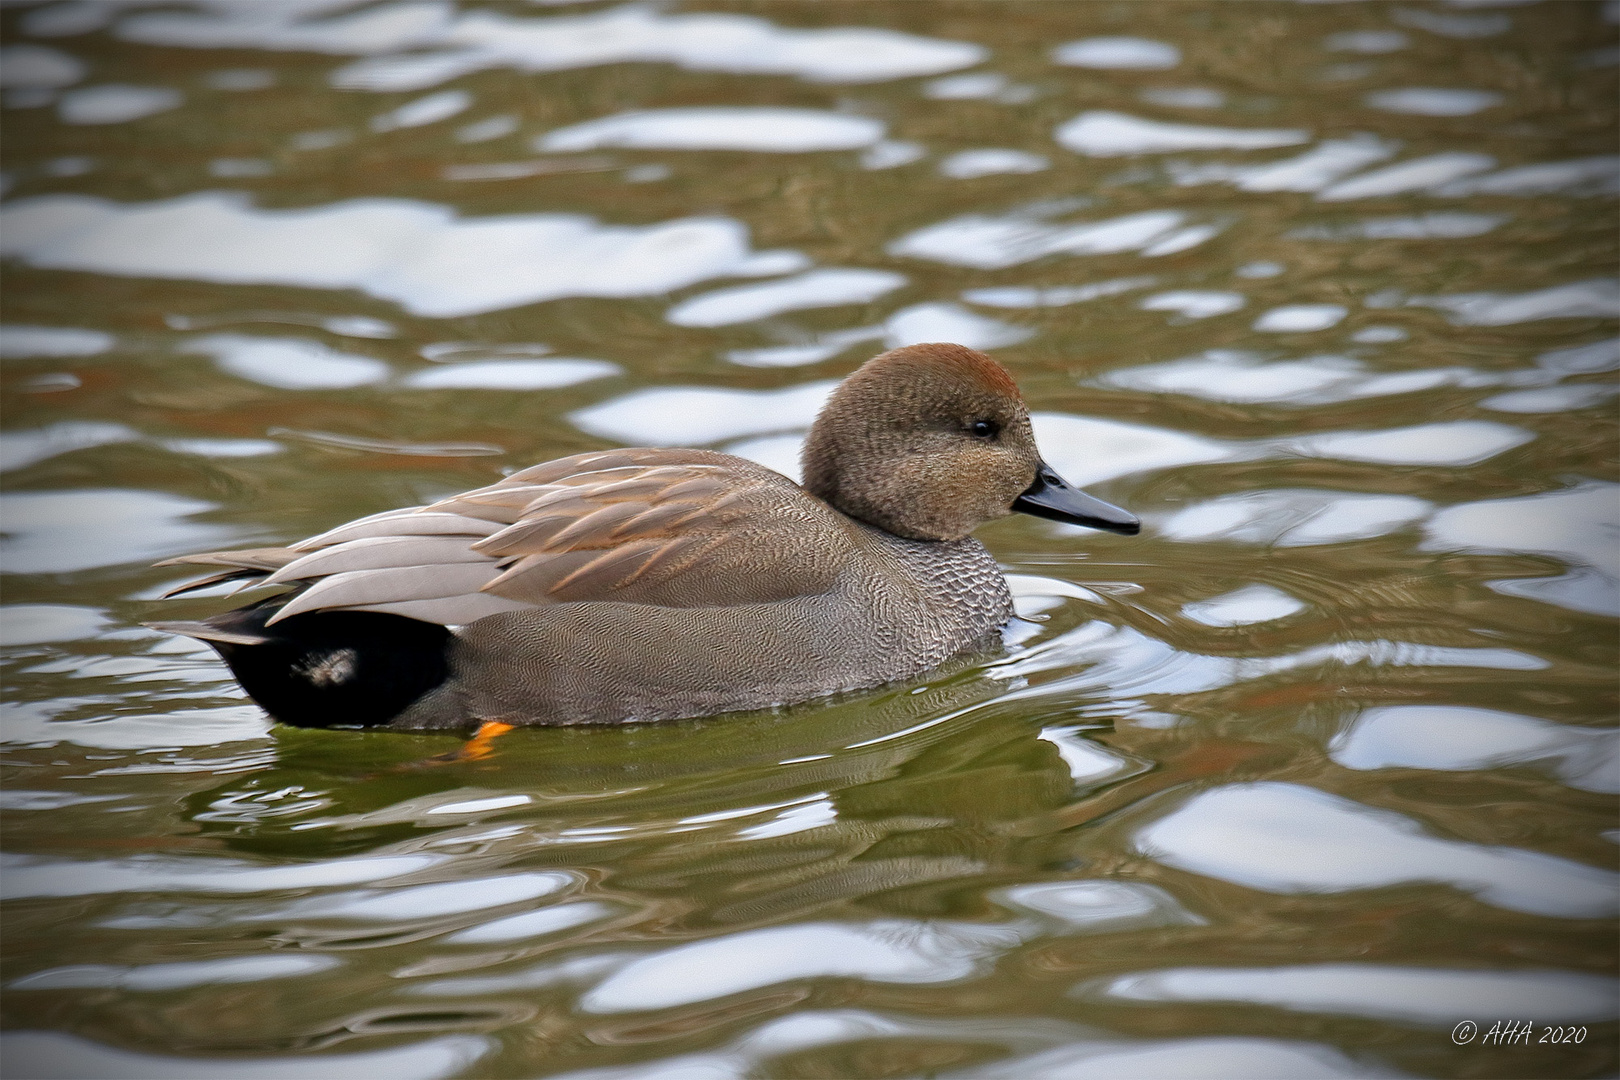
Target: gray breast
{"x":964,"y":597}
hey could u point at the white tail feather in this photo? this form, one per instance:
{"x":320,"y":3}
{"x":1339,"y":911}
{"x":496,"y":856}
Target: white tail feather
{"x":365,"y":589}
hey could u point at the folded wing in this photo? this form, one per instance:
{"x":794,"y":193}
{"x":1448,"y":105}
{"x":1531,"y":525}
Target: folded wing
{"x":676,"y":528}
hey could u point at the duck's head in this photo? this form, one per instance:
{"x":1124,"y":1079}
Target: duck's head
{"x":930,"y":441}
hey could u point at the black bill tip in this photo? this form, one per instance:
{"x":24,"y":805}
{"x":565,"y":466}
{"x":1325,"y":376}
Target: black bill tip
{"x":1051,"y":496}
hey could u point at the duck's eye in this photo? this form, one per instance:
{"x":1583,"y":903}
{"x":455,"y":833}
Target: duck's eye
{"x":985,"y":429}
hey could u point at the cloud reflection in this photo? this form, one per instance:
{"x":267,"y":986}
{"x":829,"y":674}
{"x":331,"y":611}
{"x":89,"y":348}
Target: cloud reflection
{"x":422,"y":256}
{"x":1287,"y":838}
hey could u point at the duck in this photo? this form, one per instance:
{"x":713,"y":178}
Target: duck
{"x":653,"y":584}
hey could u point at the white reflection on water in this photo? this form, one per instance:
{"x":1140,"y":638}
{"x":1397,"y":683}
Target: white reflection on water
{"x":1286,"y":838}
{"x":1184,"y":97}
{"x":1456,"y":737}
{"x":1454,"y":24}
{"x":1455,"y":442}
{"x":19,"y":342}
{"x":32,"y":624}
{"x":421,"y":901}
{"x":971,"y":164}
{"x":937,"y":321}
{"x":698,"y":415}
{"x":340,"y":441}
{"x":116,"y":103}
{"x":739,"y":127}
{"x":1300,"y":318}
{"x":532,"y":924}
{"x":882,"y":951}
{"x":1232,"y":375}
{"x":825,"y":347}
{"x":479,"y":806}
{"x":22,"y":448}
{"x":1185,"y":1059}
{"x":1582,"y":359}
{"x":1313,"y":170}
{"x":1240,"y":376}
{"x":891,"y":154}
{"x":747,"y":1056}
{"x":420,"y":255}
{"x":1087,"y":450}
{"x":19,"y":449}
{"x":1026,"y":296}
{"x":493,"y":127}
{"x":1418,"y":174}
{"x":1430,"y":997}
{"x":795,"y":819}
{"x":1123,"y":664}
{"x":176,"y":976}
{"x":478,"y":40}
{"x":1033,"y":594}
{"x":994,"y":242}
{"x":288,"y":363}
{"x":1100,"y":133}
{"x":1244,"y":607}
{"x":38,"y":67}
{"x":57,"y":532}
{"x":1433,"y":101}
{"x":23,"y":799}
{"x":1367,"y":41}
{"x":51,"y":1056}
{"x":574,"y":971}
{"x":1087,"y":761}
{"x":423,"y":111}
{"x":1580,"y":176}
{"x":1099,"y":905}
{"x":1598,"y":298}
{"x":980,"y":86}
{"x":1118,"y":54}
{"x":32,"y":723}
{"x":67,"y":18}
{"x":1552,"y":399}
{"x":1580,"y":525}
{"x":1194,"y":303}
{"x":512,"y":374}
{"x":28,"y":875}
{"x":817,"y":288}
{"x":1435,"y":225}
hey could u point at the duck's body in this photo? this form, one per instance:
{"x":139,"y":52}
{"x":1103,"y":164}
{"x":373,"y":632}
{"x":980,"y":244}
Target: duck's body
{"x":654,"y":584}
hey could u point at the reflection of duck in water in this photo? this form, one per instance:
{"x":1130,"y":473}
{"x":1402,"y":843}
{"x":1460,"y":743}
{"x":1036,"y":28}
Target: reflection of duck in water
{"x":632,"y":585}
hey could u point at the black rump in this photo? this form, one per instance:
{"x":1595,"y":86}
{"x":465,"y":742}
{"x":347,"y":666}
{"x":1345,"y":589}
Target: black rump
{"x":325,"y":668}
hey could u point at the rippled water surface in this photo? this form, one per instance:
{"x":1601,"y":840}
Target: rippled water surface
{"x":1318,"y":767}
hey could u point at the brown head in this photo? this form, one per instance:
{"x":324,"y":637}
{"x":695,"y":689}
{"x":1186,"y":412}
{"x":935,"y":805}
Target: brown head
{"x":930,"y":441}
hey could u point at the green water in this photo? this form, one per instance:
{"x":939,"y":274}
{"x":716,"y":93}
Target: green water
{"x":1317,"y":768}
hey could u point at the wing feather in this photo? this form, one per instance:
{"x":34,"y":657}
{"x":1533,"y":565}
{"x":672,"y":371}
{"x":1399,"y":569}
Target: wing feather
{"x":265,"y":560}
{"x":677,"y":528}
{"x":379,"y":553}
{"x":410,"y":521}
{"x":365,"y":588}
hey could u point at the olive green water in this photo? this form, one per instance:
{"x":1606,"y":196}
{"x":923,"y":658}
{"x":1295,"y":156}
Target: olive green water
{"x":1316,"y":769}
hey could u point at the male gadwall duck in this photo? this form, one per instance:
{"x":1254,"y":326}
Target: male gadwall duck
{"x":653,"y":584}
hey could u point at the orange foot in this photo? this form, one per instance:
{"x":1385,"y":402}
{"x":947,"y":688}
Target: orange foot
{"x":481,"y":745}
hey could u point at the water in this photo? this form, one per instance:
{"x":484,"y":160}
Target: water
{"x":1317,"y":768}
